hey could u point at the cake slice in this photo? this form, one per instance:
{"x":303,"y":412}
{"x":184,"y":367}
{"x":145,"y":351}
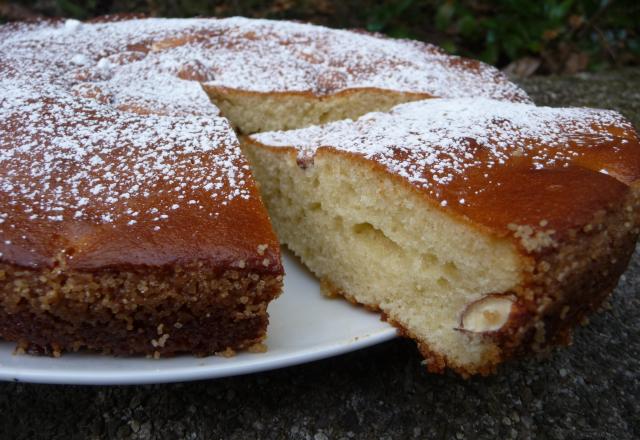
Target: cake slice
{"x":481,"y":229}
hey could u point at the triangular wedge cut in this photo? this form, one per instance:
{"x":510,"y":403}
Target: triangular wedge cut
{"x":481,"y":229}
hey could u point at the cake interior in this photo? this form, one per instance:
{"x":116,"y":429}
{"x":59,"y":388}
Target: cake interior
{"x":377,"y":243}
{"x":252,"y":112}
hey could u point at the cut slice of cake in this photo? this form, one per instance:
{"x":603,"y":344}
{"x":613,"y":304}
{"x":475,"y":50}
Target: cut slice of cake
{"x":481,"y":229}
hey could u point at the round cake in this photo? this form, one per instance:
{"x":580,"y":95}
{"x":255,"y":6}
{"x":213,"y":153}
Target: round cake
{"x":131,"y":223}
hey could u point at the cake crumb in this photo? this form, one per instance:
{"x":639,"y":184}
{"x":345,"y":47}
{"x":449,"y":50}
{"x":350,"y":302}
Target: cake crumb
{"x":328,"y":290}
{"x":530,"y":239}
{"x":228,"y":352}
{"x":257,"y":348}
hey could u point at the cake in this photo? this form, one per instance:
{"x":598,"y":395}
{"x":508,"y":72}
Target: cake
{"x":484,"y":230}
{"x":422,"y":185}
{"x":130,"y":222}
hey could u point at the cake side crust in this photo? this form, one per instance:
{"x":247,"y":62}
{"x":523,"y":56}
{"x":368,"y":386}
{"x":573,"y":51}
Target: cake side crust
{"x":570,"y":281}
{"x":155,"y":312}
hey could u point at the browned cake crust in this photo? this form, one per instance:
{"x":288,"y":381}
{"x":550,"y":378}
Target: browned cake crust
{"x":170,"y":267}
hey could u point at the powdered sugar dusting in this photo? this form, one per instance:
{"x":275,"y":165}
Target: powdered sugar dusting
{"x":66,"y":158}
{"x":86,"y":136}
{"x":433,"y":143}
{"x":299,"y":57}
{"x":265,"y":56}
{"x":108,"y":122}
{"x":73,"y":158}
{"x":261,"y":56}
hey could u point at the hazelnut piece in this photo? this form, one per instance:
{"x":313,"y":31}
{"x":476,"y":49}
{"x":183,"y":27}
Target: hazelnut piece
{"x":488,"y":314}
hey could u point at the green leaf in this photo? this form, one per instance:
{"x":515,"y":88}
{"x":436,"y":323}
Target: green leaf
{"x":444,"y":16}
{"x":467,"y":25}
{"x":381,"y":16}
{"x":490,"y":54}
{"x":75,"y":10}
{"x":449,"y":46}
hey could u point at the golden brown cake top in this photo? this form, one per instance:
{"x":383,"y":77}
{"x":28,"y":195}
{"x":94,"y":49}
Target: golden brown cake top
{"x":106,"y":188}
{"x":503,"y":165}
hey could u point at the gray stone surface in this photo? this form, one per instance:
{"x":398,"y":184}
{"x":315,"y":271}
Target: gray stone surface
{"x":587,"y":391}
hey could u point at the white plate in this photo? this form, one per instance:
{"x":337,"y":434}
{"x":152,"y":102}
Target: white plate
{"x":304,"y":326}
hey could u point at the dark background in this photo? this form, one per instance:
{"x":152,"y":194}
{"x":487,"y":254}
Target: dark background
{"x":523,"y":36}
